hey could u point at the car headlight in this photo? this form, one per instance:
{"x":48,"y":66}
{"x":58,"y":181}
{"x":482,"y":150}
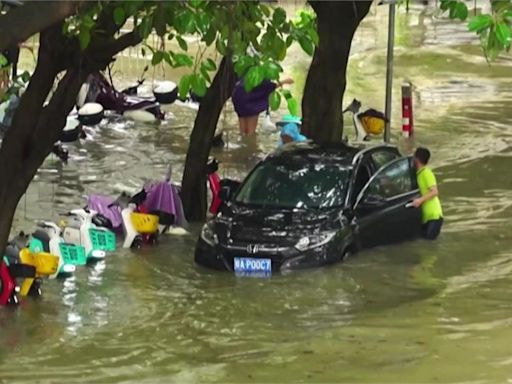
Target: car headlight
{"x":68,"y":268}
{"x":208,"y":234}
{"x":313,"y":241}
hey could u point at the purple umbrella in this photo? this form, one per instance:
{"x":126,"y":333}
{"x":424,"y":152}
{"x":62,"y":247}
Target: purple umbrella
{"x":101,"y":204}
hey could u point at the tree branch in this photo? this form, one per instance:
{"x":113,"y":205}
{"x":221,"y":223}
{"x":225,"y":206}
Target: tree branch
{"x":19,"y":24}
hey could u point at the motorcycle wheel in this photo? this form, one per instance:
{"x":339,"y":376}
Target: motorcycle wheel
{"x":35,"y":289}
{"x":153,"y":239}
{"x":137,"y":243}
{"x":7,"y":285}
{"x":13,"y":299}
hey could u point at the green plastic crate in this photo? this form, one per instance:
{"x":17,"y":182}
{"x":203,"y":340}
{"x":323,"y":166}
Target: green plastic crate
{"x":103,"y":239}
{"x":73,"y":254}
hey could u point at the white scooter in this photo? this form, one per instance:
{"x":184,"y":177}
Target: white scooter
{"x":369,"y":122}
{"x":48,"y":239}
{"x":80,"y":229}
{"x":139,"y":228}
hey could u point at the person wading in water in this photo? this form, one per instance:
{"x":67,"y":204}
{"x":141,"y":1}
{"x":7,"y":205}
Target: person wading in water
{"x":432,"y":213}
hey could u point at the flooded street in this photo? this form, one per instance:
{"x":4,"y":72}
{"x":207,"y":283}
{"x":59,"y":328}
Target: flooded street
{"x":416,"y":312}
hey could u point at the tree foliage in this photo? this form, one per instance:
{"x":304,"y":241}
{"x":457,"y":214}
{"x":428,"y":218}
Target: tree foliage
{"x":494,"y":28}
{"x":256,"y":36}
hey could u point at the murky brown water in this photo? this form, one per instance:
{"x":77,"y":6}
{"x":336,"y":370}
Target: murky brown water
{"x":418,"y":312}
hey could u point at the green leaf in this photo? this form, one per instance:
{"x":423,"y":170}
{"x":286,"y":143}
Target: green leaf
{"x":25,"y":77}
{"x":88,"y":22}
{"x":145,"y":27}
{"x":254,"y":77}
{"x":307,"y":45}
{"x":182,"y":60}
{"x":119,"y":16}
{"x":242,"y":64}
{"x":203,"y":22}
{"x":279,"y":48}
{"x":143,"y":51}
{"x":265,"y":10}
{"x":274,"y":100}
{"x":184,"y":86}
{"x":479,"y":23}
{"x":167,"y":58}
{"x":220,"y":45}
{"x":182,"y":43}
{"x":210,"y":64}
{"x":272,"y":70}
{"x":445,"y":4}
{"x":85,"y":38}
{"x":159,"y":23}
{"x":293,"y":106}
{"x":502,"y":31}
{"x":461,"y":11}
{"x":205,"y":74}
{"x":157,"y":58}
{"x":198,"y":85}
{"x":289,"y":40}
{"x":3,"y":61}
{"x":279,"y":16}
{"x":286,"y":93}
{"x":210,"y":36}
{"x":313,"y":34}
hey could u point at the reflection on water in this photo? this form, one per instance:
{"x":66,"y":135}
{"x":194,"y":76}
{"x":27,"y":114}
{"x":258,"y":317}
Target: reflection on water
{"x":417,"y":312}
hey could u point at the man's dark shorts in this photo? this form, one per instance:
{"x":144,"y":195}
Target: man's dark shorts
{"x":431,"y":229}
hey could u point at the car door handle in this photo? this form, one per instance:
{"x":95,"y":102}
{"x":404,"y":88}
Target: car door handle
{"x":409,"y":205}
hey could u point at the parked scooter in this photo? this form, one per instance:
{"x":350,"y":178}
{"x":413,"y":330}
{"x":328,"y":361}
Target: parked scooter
{"x":48,"y":238}
{"x":216,"y":185}
{"x":10,"y":274}
{"x":369,"y":122}
{"x":99,"y":90}
{"x":138,"y":228}
{"x":86,"y":228}
{"x":45,"y":264}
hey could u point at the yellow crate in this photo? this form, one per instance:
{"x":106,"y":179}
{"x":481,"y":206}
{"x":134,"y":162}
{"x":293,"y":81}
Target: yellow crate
{"x":373,"y":125}
{"x":46,"y":264}
{"x":144,"y":223}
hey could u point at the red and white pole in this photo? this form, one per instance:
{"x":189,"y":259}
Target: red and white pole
{"x":407,"y":116}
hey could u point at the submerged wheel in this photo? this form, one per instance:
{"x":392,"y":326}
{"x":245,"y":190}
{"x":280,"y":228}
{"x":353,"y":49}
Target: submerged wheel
{"x":153,"y":239}
{"x":35,"y":289}
{"x":13,"y":299}
{"x":137,"y":242}
{"x":345,"y":255}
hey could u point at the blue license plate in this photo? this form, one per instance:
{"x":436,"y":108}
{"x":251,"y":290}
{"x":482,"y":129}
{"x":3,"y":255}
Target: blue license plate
{"x":245,"y":266}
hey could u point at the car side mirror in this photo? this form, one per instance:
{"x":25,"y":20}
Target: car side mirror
{"x":225,"y":193}
{"x":372,"y":201}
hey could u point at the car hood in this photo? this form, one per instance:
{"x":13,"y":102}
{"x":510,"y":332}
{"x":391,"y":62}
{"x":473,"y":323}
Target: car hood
{"x":273,"y":226}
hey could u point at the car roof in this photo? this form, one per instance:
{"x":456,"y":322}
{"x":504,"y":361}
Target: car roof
{"x":339,"y":153}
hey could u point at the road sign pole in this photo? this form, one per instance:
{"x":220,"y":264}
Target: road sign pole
{"x":389,"y":68}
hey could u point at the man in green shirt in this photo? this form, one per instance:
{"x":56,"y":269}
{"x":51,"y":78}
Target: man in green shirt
{"x":432,"y":213}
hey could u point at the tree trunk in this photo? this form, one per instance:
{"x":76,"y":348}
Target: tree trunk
{"x":193,"y":192}
{"x":35,"y":128}
{"x":19,"y":24}
{"x":337,"y":22}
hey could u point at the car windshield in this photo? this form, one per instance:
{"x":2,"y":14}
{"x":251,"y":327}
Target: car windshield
{"x":295,"y":185}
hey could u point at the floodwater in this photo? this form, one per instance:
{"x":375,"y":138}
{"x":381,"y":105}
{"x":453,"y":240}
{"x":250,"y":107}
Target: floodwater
{"x":416,"y":312}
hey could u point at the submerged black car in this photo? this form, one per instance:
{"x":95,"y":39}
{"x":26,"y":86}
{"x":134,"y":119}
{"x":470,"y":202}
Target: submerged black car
{"x":308,"y":205}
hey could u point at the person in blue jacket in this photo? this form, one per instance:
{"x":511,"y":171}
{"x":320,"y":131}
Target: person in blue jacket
{"x":290,"y":133}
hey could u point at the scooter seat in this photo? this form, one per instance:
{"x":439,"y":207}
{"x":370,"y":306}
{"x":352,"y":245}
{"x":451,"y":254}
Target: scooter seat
{"x":164,"y":218}
{"x":22,"y":270}
{"x":12,"y":253}
{"x":44,"y":238}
